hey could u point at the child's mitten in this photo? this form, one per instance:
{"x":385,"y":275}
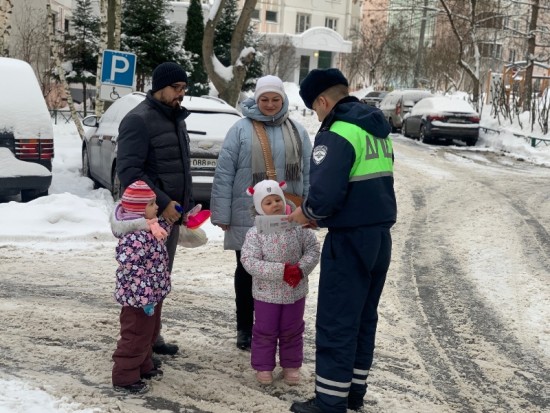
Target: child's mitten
{"x":157,"y":231}
{"x":149,"y":309}
{"x":292,"y":275}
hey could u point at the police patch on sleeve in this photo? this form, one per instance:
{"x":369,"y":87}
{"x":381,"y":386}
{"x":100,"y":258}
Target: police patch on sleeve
{"x":319,"y":154}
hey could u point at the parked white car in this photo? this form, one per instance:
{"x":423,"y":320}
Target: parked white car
{"x":26,"y":133}
{"x":207,"y":125}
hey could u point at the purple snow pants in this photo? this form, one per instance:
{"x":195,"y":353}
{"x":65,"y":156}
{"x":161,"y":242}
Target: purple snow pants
{"x":278,"y":322}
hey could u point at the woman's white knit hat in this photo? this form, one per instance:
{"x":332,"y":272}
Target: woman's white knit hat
{"x":263,"y":189}
{"x":269,"y":83}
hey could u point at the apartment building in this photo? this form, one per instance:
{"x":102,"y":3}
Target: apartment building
{"x":318,"y":29}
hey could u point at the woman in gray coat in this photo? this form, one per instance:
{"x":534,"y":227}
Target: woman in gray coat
{"x":241,"y":164}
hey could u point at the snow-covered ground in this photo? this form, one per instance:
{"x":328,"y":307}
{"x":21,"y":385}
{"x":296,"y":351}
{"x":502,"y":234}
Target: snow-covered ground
{"x":74,"y":217}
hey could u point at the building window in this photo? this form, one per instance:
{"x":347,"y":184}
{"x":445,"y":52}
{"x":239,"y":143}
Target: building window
{"x":67,"y":24}
{"x":303,"y":22}
{"x":490,"y":50}
{"x":304,"y":68}
{"x":255,"y":15}
{"x":271,"y":16}
{"x":512,"y":56}
{"x":325,"y":59}
{"x":331,"y":23}
{"x":491,"y":20}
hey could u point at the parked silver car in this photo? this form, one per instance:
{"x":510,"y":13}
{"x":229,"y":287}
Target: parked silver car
{"x":207,"y":125}
{"x":398,"y":103}
{"x":374,"y":98}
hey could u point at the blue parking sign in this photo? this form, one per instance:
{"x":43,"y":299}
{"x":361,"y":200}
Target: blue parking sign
{"x":118,"y":68}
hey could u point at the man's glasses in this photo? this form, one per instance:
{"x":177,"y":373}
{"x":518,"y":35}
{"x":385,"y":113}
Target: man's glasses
{"x":179,"y":88}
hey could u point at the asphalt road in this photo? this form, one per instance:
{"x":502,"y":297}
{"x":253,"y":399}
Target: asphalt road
{"x":461,"y":318}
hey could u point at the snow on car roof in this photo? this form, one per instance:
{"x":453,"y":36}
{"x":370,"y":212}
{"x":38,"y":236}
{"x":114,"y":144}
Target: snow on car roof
{"x":113,"y":116}
{"x":445,"y":104}
{"x":23,"y":109}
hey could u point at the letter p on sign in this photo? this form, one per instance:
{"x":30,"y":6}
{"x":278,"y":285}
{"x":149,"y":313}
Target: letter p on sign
{"x":118,"y":68}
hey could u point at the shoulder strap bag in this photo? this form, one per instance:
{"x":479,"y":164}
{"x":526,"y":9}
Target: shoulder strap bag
{"x":271,"y":172}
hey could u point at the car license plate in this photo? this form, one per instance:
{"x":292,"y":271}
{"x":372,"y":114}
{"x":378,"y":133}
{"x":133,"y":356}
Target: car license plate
{"x":206,"y":163}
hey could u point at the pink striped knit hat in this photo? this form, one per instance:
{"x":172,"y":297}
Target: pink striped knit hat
{"x":136,"y":197}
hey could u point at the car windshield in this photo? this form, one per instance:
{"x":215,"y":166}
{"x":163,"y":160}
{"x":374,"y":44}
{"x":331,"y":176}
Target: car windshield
{"x":210,"y":123}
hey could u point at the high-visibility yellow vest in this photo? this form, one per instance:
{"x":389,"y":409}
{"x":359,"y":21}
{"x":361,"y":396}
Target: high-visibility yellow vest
{"x":373,"y":155}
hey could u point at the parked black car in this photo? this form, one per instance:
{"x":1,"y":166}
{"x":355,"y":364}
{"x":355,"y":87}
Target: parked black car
{"x":442,"y":118}
{"x":207,"y":125}
{"x":374,"y":98}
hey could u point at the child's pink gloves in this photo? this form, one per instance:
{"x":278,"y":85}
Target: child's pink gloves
{"x":158,"y":232}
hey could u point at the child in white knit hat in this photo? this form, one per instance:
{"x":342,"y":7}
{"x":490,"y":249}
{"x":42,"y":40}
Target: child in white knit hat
{"x":279,"y":263}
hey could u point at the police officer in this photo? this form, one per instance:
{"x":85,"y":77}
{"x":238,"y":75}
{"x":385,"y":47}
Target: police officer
{"x":351,"y":193}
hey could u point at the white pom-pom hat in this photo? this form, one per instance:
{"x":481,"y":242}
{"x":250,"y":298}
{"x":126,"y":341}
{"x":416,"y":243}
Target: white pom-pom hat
{"x":263,"y":189}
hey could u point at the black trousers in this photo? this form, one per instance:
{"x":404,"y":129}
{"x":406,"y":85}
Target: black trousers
{"x":243,"y":297}
{"x":354,"y":264}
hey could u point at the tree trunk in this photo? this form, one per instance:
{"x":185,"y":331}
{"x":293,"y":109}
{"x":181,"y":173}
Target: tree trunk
{"x":229,"y":89}
{"x":420,"y":53}
{"x":118,"y":24}
{"x":530,"y":58}
{"x":473,"y":73}
{"x":54,"y":52}
{"x":103,"y":35}
{"x":6,"y":8}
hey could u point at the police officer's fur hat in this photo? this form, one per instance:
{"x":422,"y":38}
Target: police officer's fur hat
{"x":319,"y":80}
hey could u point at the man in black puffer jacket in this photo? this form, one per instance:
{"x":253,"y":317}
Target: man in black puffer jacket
{"x":153,"y":146}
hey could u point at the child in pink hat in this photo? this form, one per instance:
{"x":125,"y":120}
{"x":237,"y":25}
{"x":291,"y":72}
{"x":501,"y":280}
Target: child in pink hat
{"x":142,"y":283}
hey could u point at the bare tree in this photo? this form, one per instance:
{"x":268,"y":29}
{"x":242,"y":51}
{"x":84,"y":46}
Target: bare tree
{"x":228,"y":85}
{"x":367,"y":57}
{"x":30,"y":42}
{"x":279,"y":56}
{"x":531,"y":56}
{"x":6,"y":8}
{"x":463,"y":18}
{"x":440,"y":67}
{"x":56,"y":56}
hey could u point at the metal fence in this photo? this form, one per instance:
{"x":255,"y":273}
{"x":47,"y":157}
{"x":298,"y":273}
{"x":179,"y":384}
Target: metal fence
{"x":534,"y":140}
{"x":65,"y":115}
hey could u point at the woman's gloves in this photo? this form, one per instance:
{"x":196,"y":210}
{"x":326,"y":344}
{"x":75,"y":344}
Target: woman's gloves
{"x":292,"y":275}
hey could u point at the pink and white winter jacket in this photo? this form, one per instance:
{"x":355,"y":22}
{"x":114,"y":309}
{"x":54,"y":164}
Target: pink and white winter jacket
{"x":264,"y":257}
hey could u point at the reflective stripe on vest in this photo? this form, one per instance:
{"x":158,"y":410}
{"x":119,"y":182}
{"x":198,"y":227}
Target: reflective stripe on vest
{"x":373,"y":156}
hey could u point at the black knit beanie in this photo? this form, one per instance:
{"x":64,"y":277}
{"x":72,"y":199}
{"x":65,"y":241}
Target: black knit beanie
{"x":167,"y":74}
{"x":319,"y":80}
